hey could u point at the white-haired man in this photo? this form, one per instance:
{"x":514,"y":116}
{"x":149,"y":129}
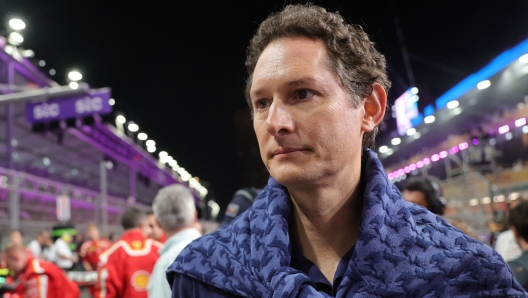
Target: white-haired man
{"x":175,"y":212}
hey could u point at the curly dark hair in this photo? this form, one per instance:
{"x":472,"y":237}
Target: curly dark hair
{"x":519,"y":219}
{"x":352,"y":55}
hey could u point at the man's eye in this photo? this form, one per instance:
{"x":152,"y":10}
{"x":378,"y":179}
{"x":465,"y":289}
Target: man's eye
{"x":261,"y":104}
{"x":304,"y":94}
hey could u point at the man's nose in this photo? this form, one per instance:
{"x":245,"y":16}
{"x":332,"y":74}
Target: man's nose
{"x":280,"y":120}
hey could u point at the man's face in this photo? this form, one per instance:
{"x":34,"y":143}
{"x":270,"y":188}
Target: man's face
{"x":307,"y":128}
{"x":15,"y":237}
{"x":15,"y":260}
{"x":93,"y":233}
{"x":415,"y":196}
{"x":155,"y":229}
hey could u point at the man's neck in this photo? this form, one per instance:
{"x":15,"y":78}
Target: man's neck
{"x":169,"y":234}
{"x":326,"y":223}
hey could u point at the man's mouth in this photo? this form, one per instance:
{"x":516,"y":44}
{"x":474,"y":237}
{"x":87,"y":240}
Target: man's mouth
{"x":284,"y":151}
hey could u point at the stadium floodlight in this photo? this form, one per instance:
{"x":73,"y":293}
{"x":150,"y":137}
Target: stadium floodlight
{"x":383,"y":149}
{"x":111,"y":101}
{"x":429,"y":119}
{"x":74,"y":85}
{"x":15,"y":38}
{"x":426,"y":161}
{"x":411,"y":131}
{"x":484,"y":84}
{"x":173,"y":163}
{"x":504,"y":129}
{"x":75,"y":76}
{"x":28,"y":53}
{"x":485,"y":200}
{"x":150,"y":143}
{"x":452,"y":104}
{"x":396,"y":141}
{"x":142,"y":136}
{"x":133,"y":127}
{"x":151,"y":149}
{"x":520,"y":122}
{"x":524,"y":59}
{"x":443,"y":154}
{"x":121,"y":119}
{"x":414,"y":90}
{"x":163,"y":154}
{"x":17,"y":24}
{"x":435,"y":158}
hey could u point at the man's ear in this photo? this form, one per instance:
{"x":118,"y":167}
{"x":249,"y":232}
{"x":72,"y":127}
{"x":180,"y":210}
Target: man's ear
{"x":374,"y":106}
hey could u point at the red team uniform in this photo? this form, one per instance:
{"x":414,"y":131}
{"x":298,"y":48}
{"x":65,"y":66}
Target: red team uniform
{"x":90,"y":251}
{"x":42,"y":279}
{"x":126,"y":266}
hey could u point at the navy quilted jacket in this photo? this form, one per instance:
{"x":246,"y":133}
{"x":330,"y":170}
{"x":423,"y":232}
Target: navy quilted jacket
{"x":402,"y":251}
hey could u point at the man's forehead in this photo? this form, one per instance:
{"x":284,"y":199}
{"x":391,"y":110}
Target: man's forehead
{"x":289,"y":59}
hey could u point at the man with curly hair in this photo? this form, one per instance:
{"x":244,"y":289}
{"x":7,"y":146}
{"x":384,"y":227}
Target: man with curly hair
{"x":329,"y":222}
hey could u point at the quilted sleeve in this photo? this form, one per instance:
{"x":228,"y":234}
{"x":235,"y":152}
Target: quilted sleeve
{"x":484,"y":274}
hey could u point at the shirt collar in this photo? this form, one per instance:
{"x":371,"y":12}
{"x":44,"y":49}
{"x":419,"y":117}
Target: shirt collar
{"x":190,"y":233}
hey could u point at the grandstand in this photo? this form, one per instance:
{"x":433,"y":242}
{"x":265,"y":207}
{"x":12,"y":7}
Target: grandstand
{"x":476,"y":141}
{"x":80,"y":156}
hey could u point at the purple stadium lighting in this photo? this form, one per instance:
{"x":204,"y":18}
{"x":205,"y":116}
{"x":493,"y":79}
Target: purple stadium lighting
{"x":443,"y":154}
{"x":435,"y":158}
{"x":504,"y":129}
{"x":407,"y":169}
{"x":475,"y":142}
{"x":412,"y":167}
{"x":463,"y":146}
{"x":426,"y":161}
{"x":420,"y":164}
{"x":454,"y":150}
{"x":520,"y":122}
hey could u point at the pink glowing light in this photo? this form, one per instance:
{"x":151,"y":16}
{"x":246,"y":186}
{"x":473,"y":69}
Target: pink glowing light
{"x":412,"y":167}
{"x":407,"y":169}
{"x":435,"y":157}
{"x":454,"y":150}
{"x":443,"y":154}
{"x":426,"y":161}
{"x":463,"y":146}
{"x":420,"y":164}
{"x":504,"y":129}
{"x":520,"y":122}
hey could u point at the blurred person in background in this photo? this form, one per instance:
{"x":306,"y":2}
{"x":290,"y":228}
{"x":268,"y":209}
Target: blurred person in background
{"x":242,"y":200}
{"x":329,"y":222}
{"x":126,"y":266}
{"x":92,"y":248}
{"x":519,"y":225}
{"x":426,"y":192}
{"x":38,"y":278}
{"x":154,"y":231}
{"x":37,"y":245}
{"x":506,"y":244}
{"x":175,"y":212}
{"x":61,"y":253}
{"x":16,"y":237}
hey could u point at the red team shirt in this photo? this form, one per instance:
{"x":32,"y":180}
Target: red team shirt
{"x":126,"y":266}
{"x":42,"y":279}
{"x":91,"y":250}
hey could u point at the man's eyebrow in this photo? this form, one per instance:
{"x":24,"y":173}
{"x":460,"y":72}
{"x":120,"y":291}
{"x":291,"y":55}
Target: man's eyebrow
{"x":296,"y":82}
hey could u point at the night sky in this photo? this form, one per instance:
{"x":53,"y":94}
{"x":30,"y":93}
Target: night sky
{"x":176,"y":68}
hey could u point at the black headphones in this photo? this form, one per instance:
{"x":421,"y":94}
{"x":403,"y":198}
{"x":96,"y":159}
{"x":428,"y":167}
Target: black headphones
{"x":435,"y":197}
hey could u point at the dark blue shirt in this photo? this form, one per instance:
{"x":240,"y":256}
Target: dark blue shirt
{"x":185,"y":286}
